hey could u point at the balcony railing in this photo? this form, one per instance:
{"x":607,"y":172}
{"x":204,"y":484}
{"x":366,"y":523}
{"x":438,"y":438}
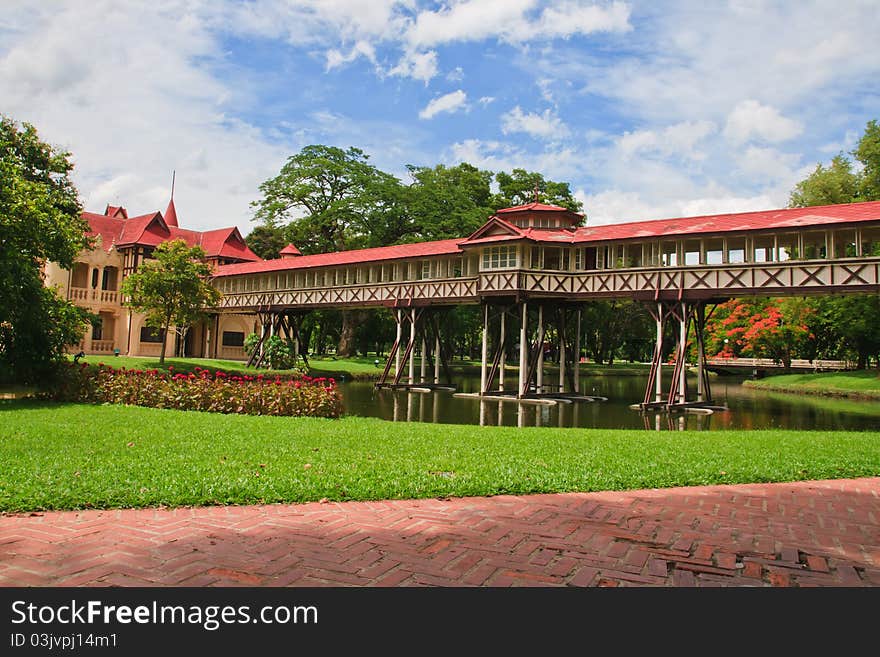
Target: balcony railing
{"x":97,"y":296}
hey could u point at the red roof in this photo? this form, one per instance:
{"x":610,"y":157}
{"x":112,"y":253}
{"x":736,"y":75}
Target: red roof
{"x":352,"y":257}
{"x":818,"y":216}
{"x":171,"y":214}
{"x":534,"y":207}
{"x":152,"y":230}
{"x":290,"y":250}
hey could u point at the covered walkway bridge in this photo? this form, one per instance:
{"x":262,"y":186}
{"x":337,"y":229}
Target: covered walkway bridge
{"x":532,"y":267}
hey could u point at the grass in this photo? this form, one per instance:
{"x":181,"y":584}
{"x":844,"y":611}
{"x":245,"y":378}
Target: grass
{"x":860,"y":384}
{"x":179,"y":364}
{"x":68,"y":456}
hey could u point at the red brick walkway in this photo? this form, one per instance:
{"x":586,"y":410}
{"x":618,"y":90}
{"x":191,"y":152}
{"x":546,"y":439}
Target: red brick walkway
{"x":822,"y":533}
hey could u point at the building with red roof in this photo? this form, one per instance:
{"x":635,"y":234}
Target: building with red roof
{"x":121,"y":244}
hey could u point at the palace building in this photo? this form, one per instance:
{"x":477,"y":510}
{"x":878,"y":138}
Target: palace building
{"x":121,"y":243}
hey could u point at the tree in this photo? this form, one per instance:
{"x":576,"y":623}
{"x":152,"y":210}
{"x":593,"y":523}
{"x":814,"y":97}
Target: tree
{"x":321,"y":197}
{"x":448,"y":202}
{"x":518,"y":188}
{"x":266,"y":241}
{"x":838,"y":182}
{"x":852,"y":320}
{"x":327,"y":199}
{"x":171,"y":289}
{"x":868,"y":153}
{"x":40,"y":220}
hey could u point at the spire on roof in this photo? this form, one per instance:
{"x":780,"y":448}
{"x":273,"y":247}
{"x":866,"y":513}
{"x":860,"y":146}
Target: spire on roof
{"x":170,"y":211}
{"x":290,"y":251}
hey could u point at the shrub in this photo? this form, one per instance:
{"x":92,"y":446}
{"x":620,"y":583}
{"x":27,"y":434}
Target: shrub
{"x":199,"y":390}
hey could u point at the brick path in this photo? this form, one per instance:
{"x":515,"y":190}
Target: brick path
{"x":822,"y":533}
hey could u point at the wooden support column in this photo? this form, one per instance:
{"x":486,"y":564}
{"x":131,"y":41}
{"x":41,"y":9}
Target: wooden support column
{"x":503,"y":353}
{"x":485,"y":356}
{"x":436,"y":362}
{"x":659,"y":382}
{"x":412,"y":345}
{"x":399,"y":336}
{"x":561,"y":332}
{"x":523,"y":353}
{"x":423,"y":372}
{"x":698,"y":330}
{"x":577,"y":354}
{"x":682,"y":345}
{"x":539,"y":386}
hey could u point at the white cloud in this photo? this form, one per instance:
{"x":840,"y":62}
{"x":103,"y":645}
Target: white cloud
{"x":417,"y":65}
{"x":486,"y":100}
{"x":544,"y":126}
{"x":565,"y":19}
{"x":679,"y":139}
{"x":361,"y":49}
{"x":556,"y":163}
{"x":451,"y":102}
{"x":613,"y":206}
{"x":750,"y":119}
{"x":132,"y":110}
{"x":507,"y":20}
{"x":456,"y":74}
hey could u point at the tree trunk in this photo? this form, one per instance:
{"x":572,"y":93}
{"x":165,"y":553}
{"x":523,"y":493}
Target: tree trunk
{"x":164,"y":341}
{"x":350,"y":320}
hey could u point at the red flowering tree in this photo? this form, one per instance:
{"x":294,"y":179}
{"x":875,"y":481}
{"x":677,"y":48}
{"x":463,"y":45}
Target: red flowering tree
{"x":760,"y":328}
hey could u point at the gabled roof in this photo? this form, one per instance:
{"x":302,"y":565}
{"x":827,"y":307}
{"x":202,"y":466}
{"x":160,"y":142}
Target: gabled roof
{"x":495,"y":226}
{"x":290,"y":250}
{"x":116,"y":211}
{"x":152,"y":229}
{"x":338,"y":258}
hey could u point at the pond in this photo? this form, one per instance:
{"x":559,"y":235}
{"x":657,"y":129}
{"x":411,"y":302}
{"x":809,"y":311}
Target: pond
{"x":748,"y":408}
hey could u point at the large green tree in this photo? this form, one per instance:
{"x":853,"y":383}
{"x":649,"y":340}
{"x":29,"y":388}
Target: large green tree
{"x":266,"y":241}
{"x":520,"y":186}
{"x":841,"y":181}
{"x":448,"y":202}
{"x":40,"y":221}
{"x":852,"y":320}
{"x":329,"y":199}
{"x":172,"y":288}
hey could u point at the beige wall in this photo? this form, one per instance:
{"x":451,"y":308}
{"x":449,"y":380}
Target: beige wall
{"x":122,"y":328}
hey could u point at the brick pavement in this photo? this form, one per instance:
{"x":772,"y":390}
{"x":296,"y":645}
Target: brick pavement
{"x":820,"y":533}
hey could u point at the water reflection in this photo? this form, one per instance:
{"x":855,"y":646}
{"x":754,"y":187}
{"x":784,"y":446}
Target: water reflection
{"x":749,"y":408}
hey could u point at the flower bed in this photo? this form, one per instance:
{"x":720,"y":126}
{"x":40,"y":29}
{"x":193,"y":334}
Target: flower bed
{"x":199,"y":390}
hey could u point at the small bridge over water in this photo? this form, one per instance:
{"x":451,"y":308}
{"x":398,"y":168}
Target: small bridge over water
{"x":532,"y":267}
{"x":758,"y":367}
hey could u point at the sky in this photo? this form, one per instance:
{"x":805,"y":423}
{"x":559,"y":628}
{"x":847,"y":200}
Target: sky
{"x":648,"y":109}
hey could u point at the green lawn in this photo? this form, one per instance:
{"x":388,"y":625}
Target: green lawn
{"x":179,"y":364}
{"x":864,"y":383}
{"x":68,"y":456}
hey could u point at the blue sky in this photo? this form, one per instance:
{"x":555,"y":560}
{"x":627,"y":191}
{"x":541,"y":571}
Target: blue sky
{"x":648,"y":109}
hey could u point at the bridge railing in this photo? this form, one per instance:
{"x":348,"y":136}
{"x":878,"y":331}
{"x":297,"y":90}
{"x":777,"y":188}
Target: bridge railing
{"x":698,"y":281}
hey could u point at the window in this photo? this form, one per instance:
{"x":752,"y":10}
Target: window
{"x":499,"y":257}
{"x":844,"y":243}
{"x":94,"y":278}
{"x":150,"y":334}
{"x":426,"y":269}
{"x":669,"y":254}
{"x":232,"y":339}
{"x":97,"y":329}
